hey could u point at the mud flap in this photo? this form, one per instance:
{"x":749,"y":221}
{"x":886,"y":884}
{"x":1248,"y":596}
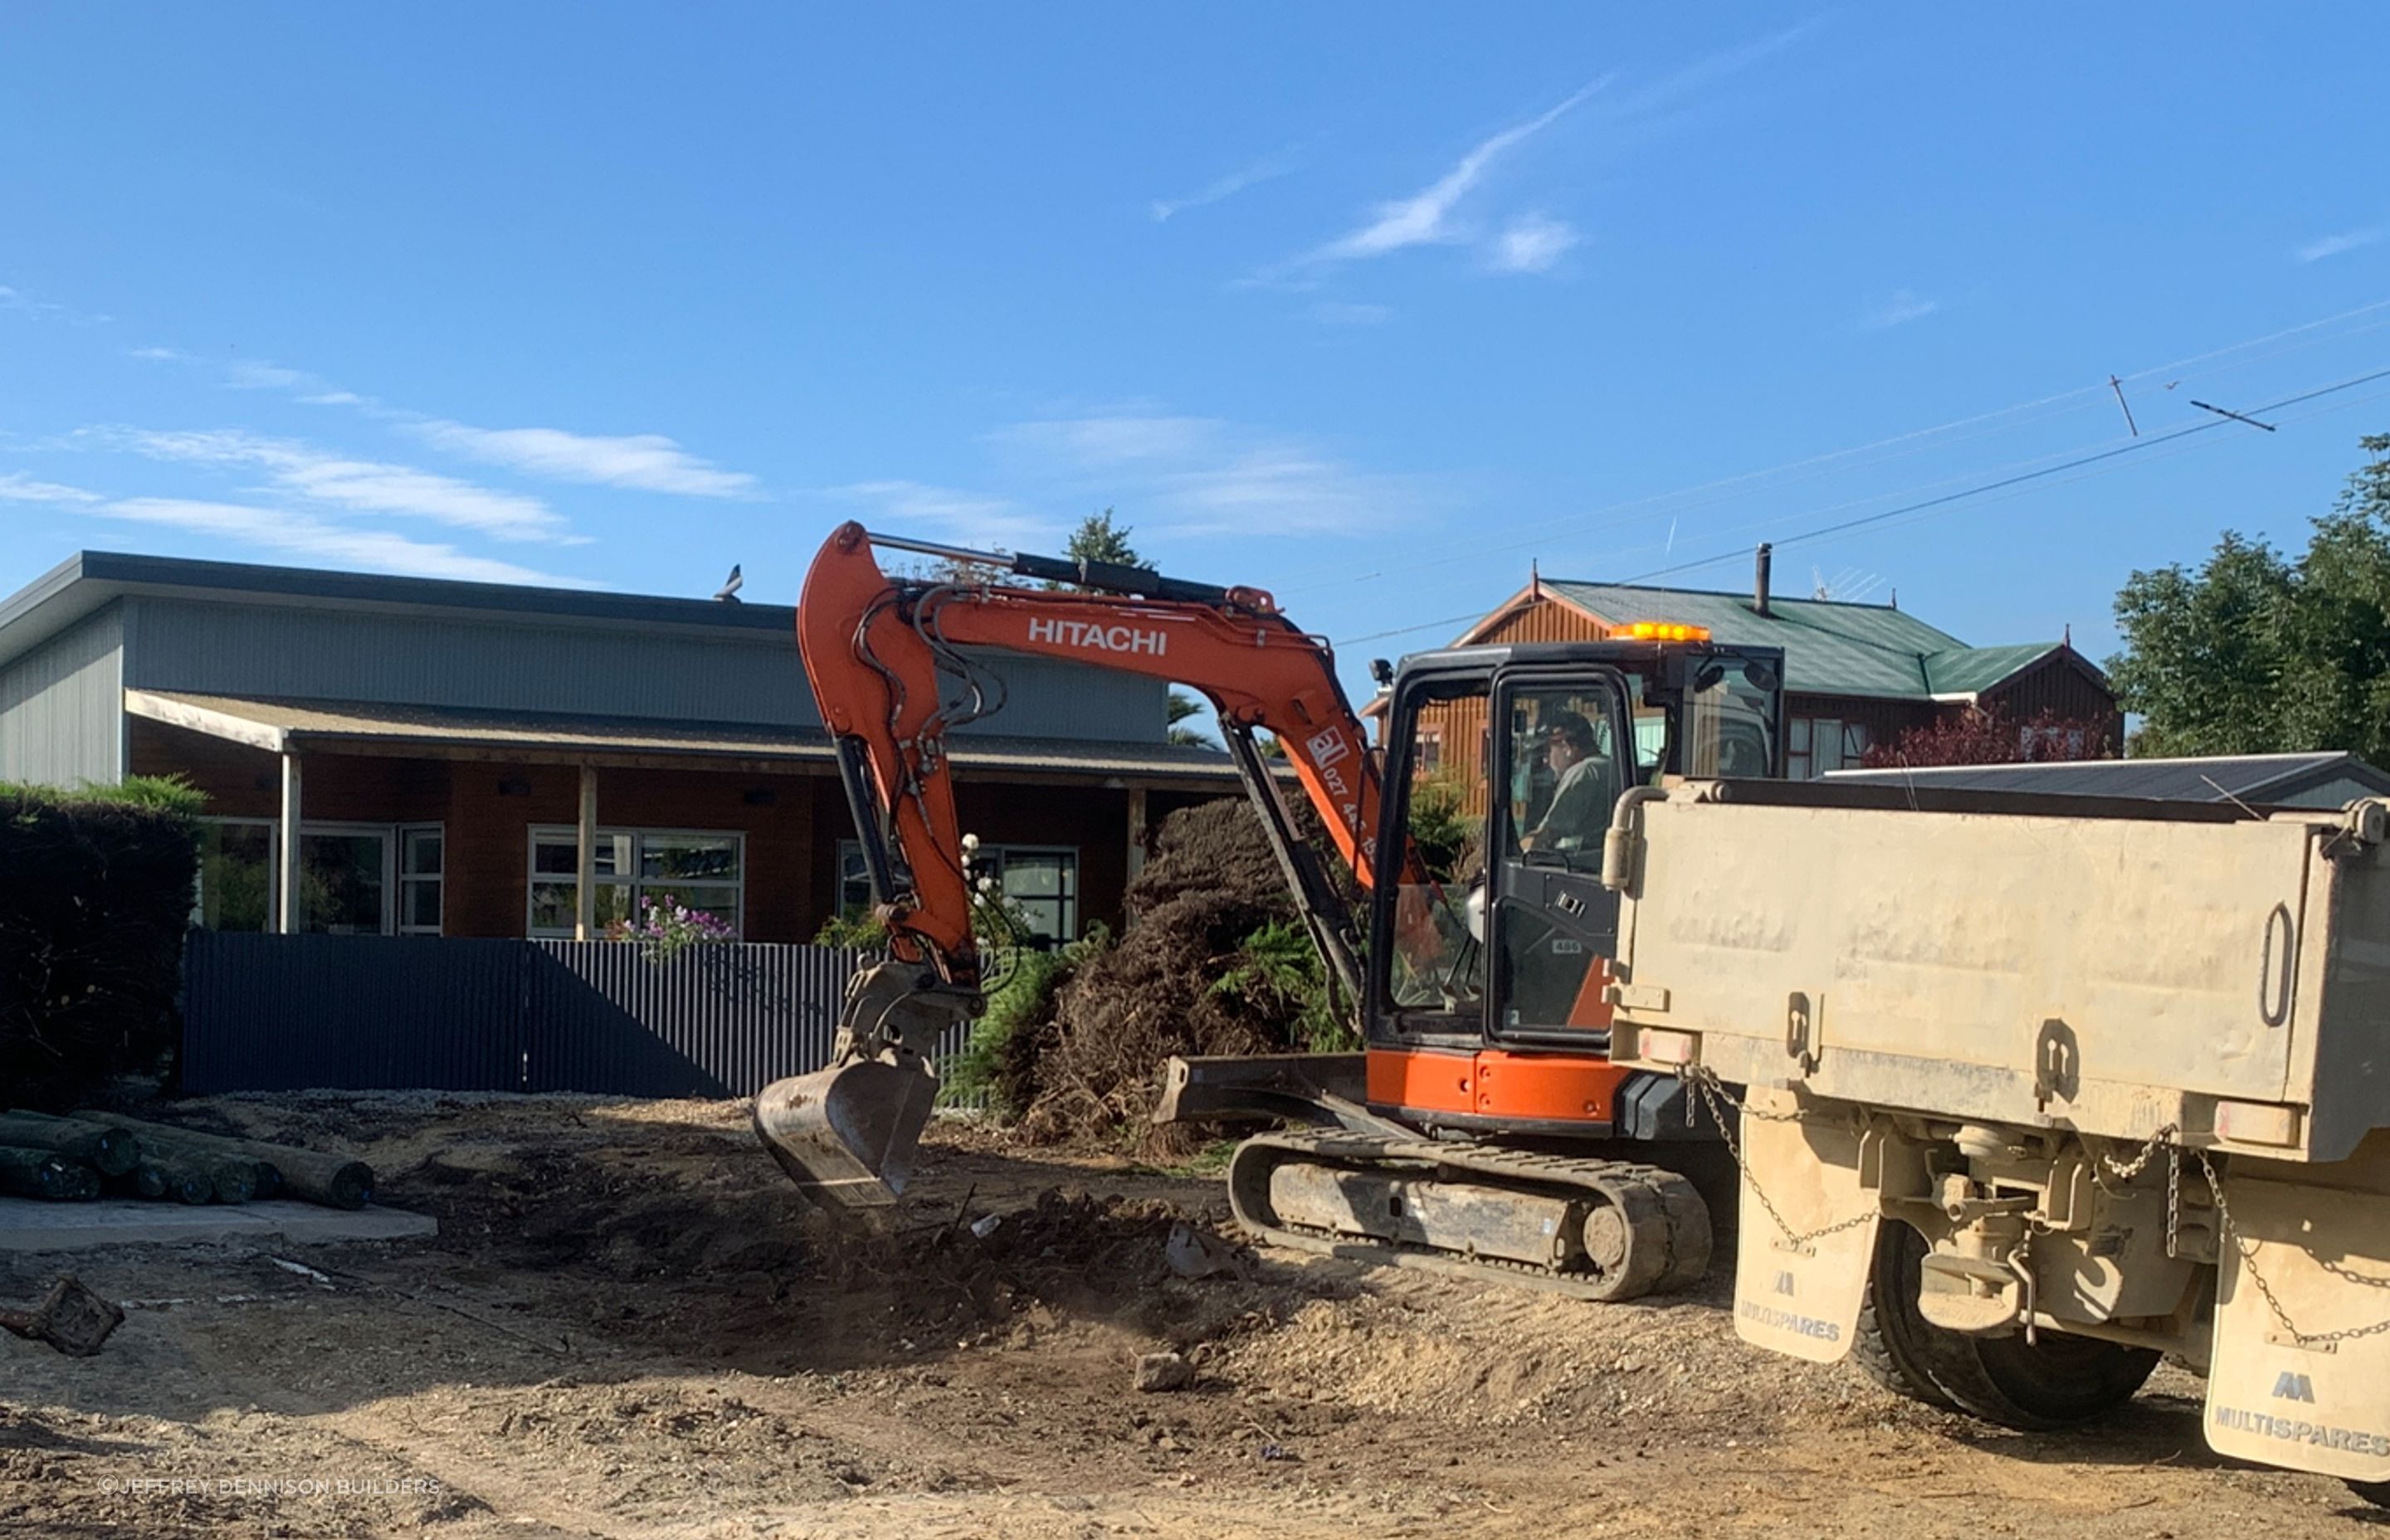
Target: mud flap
{"x":2319,"y":1406}
{"x":1798,"y":1290}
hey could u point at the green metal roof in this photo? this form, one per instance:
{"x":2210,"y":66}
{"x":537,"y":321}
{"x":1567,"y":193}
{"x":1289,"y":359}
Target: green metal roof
{"x":1830,"y":648}
{"x":1973,"y":670}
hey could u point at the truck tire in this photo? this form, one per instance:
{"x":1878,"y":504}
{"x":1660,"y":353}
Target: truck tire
{"x":2376,"y":1493}
{"x":2035,"y":1387}
{"x":1886,"y":1348}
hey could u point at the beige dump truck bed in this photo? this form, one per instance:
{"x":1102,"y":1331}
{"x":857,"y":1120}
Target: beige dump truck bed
{"x":2048,"y":1071}
{"x":2117,"y":968}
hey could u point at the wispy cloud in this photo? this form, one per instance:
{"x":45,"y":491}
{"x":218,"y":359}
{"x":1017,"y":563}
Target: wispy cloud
{"x":157,"y":355}
{"x":1107,"y":440}
{"x":1898,"y":311}
{"x":1425,"y":217}
{"x":341,"y":481}
{"x":1532,"y":244}
{"x":646,"y":462}
{"x":26,"y":304}
{"x":1227,"y":186}
{"x":258,"y":375}
{"x":303,"y":534}
{"x":1190,"y":476}
{"x":971,"y":518}
{"x":18,"y":487}
{"x":2333,"y":246}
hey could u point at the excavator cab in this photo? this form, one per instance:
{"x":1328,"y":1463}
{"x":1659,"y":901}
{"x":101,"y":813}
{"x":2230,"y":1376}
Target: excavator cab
{"x":1511,"y":762}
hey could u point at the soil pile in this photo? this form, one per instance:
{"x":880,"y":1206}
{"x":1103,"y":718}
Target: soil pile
{"x":1171,"y":985}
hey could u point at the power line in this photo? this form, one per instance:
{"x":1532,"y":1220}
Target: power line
{"x":1948,"y":498}
{"x":2181,"y":368}
{"x":2136,"y":447}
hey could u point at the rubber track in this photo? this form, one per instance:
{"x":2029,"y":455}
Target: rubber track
{"x":1688,"y":1217}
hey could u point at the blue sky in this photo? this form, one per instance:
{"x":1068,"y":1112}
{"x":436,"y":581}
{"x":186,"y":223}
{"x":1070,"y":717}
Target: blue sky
{"x":1366,"y":305}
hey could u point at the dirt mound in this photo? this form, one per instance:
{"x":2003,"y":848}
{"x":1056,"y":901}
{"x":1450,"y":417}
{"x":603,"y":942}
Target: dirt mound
{"x":1180,"y":981}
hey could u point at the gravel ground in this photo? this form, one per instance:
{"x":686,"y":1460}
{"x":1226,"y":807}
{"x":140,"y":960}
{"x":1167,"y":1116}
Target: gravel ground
{"x":630,"y":1326}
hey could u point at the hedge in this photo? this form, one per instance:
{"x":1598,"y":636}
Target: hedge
{"x":94,"y":896}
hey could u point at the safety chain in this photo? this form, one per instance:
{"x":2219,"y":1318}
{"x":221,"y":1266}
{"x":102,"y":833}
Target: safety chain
{"x":2125,"y":1171}
{"x":2249,"y":1262}
{"x":1714,"y":1094}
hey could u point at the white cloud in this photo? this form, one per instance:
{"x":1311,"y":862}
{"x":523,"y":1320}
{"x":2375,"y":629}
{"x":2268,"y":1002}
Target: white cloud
{"x":2333,"y":246}
{"x":363,"y":485}
{"x":256,"y":375}
{"x":1224,"y":188}
{"x":1111,"y":439}
{"x":1898,"y":311}
{"x":1532,"y":244}
{"x":158,"y":355}
{"x":976,"y":520}
{"x":333,"y":398}
{"x":647,"y":462}
{"x":18,"y":487}
{"x":372,"y":550}
{"x":1187,"y":476}
{"x":1341,"y":313}
{"x":1425,"y":216}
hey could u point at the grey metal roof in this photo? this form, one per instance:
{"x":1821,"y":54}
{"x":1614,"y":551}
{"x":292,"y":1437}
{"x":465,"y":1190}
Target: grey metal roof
{"x":2255,"y":779}
{"x":331,"y":724}
{"x":89,"y":580}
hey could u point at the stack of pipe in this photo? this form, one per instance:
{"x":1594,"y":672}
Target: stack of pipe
{"x":65,"y":1158}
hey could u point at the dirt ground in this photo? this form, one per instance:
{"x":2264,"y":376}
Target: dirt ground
{"x":631,"y":1326}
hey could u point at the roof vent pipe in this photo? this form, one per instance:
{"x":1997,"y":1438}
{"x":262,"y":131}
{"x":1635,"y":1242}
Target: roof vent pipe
{"x":1759,"y":580}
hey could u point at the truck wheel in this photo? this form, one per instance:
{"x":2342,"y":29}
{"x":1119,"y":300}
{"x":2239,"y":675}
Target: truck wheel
{"x":2056,"y":1382}
{"x":2376,"y":1493}
{"x":1887,"y":1348}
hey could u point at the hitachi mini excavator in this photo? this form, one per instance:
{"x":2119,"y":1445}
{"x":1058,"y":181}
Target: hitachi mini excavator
{"x":1479,"y":1129}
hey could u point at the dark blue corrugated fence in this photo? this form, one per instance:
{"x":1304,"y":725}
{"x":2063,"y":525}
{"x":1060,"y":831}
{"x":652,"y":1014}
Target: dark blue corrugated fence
{"x":274,"y":1013}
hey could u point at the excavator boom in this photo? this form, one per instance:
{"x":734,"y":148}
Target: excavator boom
{"x":892,"y":667}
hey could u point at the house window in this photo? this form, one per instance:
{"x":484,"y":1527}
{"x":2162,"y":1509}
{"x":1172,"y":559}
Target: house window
{"x":1816,"y":744}
{"x":1041,"y":881}
{"x":423,"y":867}
{"x":1431,"y":751}
{"x":347,"y":885}
{"x":236,"y":876}
{"x":702,"y":869}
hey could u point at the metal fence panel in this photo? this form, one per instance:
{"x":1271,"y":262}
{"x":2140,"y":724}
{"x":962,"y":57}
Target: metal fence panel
{"x":716,"y":1019}
{"x":285,"y":1013}
{"x":267,"y":1012}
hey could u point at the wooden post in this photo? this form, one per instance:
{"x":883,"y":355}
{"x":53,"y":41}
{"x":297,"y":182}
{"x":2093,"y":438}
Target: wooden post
{"x":584,"y":901}
{"x":288,"y":914}
{"x":1136,"y":830}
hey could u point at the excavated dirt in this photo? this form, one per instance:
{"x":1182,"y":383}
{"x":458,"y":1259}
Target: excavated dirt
{"x":629,"y":1326}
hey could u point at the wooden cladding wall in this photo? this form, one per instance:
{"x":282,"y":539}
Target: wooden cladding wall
{"x":2064,"y":686}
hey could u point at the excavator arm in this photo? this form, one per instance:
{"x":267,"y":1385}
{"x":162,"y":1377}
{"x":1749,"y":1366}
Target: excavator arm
{"x":894,"y":665}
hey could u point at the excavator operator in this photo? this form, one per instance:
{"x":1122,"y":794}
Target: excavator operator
{"x":1582,"y":792}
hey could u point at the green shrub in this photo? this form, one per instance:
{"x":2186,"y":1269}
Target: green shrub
{"x":857,"y":929}
{"x":1276,"y":975}
{"x":92,"y":916}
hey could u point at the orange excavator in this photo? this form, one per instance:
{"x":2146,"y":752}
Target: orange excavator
{"x":1483,"y":1128}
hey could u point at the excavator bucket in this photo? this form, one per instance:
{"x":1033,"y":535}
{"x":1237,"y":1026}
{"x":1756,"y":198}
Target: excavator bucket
{"x":847,"y":1135}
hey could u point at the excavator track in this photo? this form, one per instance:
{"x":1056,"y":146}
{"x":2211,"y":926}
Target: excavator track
{"x":1592,"y":1229}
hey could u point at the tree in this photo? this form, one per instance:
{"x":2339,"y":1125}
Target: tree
{"x":1099,"y":539}
{"x":1182,"y":706}
{"x":2252,"y":653}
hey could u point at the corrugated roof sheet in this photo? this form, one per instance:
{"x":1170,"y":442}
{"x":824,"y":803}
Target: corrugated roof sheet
{"x":1830,"y":648}
{"x":2249,"y":777}
{"x":327,"y":723}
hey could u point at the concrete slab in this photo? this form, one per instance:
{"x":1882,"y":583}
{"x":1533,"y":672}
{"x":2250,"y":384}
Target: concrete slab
{"x":29,"y":1224}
